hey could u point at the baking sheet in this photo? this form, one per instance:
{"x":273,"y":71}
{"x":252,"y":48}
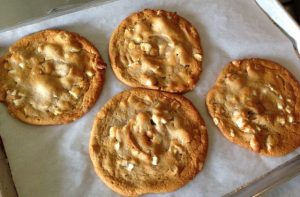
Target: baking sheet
{"x":54,"y":160}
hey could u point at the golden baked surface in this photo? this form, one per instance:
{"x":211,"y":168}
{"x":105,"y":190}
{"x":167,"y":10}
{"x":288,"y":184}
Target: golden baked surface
{"x":146,"y":141}
{"x":51,"y":77}
{"x":156,"y":49}
{"x":256,"y":104}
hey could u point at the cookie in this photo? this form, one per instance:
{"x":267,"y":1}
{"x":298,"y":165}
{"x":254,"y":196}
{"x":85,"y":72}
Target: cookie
{"x":147,"y":141}
{"x":156,"y":49}
{"x":256,"y":104}
{"x":51,"y":77}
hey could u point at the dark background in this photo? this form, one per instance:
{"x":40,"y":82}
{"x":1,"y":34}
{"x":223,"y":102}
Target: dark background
{"x":293,"y":7}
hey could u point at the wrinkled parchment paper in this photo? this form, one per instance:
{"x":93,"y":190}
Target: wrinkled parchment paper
{"x":54,"y":160}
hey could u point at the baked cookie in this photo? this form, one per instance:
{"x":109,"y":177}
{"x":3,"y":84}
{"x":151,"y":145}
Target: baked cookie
{"x":156,"y":49}
{"x":256,"y":103}
{"x":51,"y":77}
{"x":146,"y":141}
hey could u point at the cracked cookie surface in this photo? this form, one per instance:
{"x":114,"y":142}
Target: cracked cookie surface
{"x":51,"y":77}
{"x":146,"y":141}
{"x":256,"y":103}
{"x":156,"y":49}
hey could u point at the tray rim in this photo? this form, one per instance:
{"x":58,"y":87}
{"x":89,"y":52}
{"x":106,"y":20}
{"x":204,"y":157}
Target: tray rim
{"x":247,"y":187}
{"x":57,"y":12}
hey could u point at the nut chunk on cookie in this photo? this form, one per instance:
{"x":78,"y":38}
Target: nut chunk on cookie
{"x":156,"y":49}
{"x":256,"y":103}
{"x":51,"y":77}
{"x":146,"y":141}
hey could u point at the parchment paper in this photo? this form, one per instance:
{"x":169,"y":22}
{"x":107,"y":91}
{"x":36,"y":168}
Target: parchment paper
{"x":54,"y":160}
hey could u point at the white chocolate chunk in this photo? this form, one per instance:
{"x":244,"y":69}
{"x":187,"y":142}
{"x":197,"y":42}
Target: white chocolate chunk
{"x":290,"y":119}
{"x":73,"y":49}
{"x":22,"y":94}
{"x":117,"y":146}
{"x":254,"y":144}
{"x":13,"y":93}
{"x":22,"y":64}
{"x":271,"y":142}
{"x":130,"y":167}
{"x":198,"y":57}
{"x":146,"y":47}
{"x":181,"y":135}
{"x":62,"y":69}
{"x":149,"y":82}
{"x":154,"y":160}
{"x":280,"y":106}
{"x":112,"y":132}
{"x":288,"y":110}
{"x":158,"y":119}
{"x":289,"y":100}
{"x":216,"y":121}
{"x":236,"y":62}
{"x":269,"y":147}
{"x":75,"y":92}
{"x":124,"y":163}
{"x":18,"y":102}
{"x":248,"y":130}
{"x":240,"y":122}
{"x":56,"y":112}
{"x":51,"y":52}
{"x":131,"y":45}
{"x":280,"y":120}
{"x":237,"y":118}
{"x":232,"y":134}
{"x":89,"y":73}
{"x":258,"y":128}
{"x":271,"y":87}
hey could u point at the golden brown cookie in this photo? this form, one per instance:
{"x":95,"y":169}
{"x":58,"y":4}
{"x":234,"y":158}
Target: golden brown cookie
{"x":51,"y":77}
{"x":256,"y":103}
{"x":146,"y":141}
{"x":156,"y":49}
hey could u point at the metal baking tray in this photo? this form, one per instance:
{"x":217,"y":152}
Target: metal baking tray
{"x":257,"y":187}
